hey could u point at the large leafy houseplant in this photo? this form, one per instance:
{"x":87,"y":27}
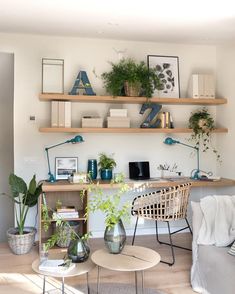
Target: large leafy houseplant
{"x":202,"y":124}
{"x":132,"y":72}
{"x":21,"y":239}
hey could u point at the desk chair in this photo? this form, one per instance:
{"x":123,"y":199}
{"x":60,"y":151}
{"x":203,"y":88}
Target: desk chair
{"x":165,"y":205}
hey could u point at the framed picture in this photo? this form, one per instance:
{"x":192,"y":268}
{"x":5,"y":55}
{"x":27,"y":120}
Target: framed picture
{"x":167,"y":69}
{"x":65,"y":166}
{"x":52,"y":76}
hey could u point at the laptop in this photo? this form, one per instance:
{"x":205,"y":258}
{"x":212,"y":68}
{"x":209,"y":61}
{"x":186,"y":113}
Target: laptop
{"x":139,"y":170}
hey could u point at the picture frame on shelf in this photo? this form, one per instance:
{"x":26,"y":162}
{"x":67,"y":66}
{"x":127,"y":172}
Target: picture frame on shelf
{"x":52,"y":76}
{"x":65,"y":167}
{"x":167,"y":69}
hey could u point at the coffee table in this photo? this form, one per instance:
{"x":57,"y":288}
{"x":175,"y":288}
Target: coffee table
{"x":80,"y":269}
{"x":132,"y":258}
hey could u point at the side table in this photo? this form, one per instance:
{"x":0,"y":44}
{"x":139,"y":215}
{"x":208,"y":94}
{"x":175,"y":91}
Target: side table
{"x":132,"y":258}
{"x":80,"y":269}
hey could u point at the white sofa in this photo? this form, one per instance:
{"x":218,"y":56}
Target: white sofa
{"x":213,"y":269}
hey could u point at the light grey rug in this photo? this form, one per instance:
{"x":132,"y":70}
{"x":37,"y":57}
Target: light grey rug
{"x":114,"y":288}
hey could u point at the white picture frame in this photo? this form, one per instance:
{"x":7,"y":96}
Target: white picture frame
{"x":65,"y":167}
{"x":52,"y":76}
{"x":167,"y":69}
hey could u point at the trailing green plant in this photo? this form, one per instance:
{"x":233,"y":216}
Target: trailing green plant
{"x":24,"y":197}
{"x":106,"y":162}
{"x":110,"y":205}
{"x":128,"y":70}
{"x":202,"y":124}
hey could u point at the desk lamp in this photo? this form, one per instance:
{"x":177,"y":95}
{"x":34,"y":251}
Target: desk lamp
{"x":75,"y":140}
{"x":194,"y":172}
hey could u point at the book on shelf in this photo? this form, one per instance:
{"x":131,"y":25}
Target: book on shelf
{"x":54,"y":113}
{"x":66,"y":209}
{"x":56,"y":266}
{"x":65,"y":215}
{"x":202,"y":86}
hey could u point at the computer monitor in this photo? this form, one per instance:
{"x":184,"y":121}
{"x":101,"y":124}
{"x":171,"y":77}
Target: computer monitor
{"x":139,"y":170}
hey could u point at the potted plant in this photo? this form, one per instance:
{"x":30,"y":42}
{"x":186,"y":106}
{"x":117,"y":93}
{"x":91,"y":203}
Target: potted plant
{"x":106,"y":164}
{"x":65,"y":235}
{"x":21,"y":238}
{"x":131,"y":78}
{"x":202,"y":124}
{"x":115,"y":212}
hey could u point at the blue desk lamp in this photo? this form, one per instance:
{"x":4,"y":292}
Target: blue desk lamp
{"x":194,"y":172}
{"x":75,"y":140}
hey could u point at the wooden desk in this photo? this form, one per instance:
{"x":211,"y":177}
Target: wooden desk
{"x":64,"y":186}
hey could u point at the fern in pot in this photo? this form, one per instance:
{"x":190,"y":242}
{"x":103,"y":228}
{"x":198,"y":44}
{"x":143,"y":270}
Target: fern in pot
{"x":130,"y":78}
{"x":21,"y":238}
{"x":106,"y":165}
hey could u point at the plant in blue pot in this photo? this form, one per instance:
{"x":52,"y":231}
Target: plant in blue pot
{"x":106,"y":165}
{"x":115,"y":211}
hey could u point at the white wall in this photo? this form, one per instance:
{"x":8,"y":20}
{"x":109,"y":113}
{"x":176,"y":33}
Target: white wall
{"x":225,"y":114}
{"x":89,"y":54}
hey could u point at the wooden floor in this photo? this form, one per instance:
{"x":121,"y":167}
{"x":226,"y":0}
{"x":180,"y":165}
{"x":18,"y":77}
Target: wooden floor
{"x":16,"y":275}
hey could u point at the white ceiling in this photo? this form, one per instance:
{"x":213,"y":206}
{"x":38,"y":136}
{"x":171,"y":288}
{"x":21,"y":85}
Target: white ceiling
{"x":194,"y":21}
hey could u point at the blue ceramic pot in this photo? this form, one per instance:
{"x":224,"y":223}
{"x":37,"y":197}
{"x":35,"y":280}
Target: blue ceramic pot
{"x":92,"y":168}
{"x":106,"y":174}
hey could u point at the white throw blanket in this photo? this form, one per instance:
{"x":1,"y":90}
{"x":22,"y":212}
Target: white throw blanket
{"x":218,"y":224}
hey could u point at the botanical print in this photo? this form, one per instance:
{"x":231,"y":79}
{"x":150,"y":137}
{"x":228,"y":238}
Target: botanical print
{"x":167,"y":71}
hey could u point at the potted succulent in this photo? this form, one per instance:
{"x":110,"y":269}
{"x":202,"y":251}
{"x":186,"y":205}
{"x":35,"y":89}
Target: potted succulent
{"x":202,"y":124}
{"x":131,"y":78}
{"x":106,"y":164}
{"x":21,"y":238}
{"x":115,"y":212}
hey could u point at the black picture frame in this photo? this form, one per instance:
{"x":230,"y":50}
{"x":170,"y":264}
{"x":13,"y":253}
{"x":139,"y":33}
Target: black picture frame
{"x":167,"y":68}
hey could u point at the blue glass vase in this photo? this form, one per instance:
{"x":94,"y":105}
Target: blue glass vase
{"x":92,"y":168}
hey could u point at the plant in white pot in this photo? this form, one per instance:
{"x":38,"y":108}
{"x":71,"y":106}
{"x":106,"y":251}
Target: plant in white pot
{"x":21,"y":238}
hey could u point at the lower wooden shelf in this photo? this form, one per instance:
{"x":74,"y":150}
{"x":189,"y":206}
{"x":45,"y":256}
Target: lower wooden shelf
{"x":123,"y":130}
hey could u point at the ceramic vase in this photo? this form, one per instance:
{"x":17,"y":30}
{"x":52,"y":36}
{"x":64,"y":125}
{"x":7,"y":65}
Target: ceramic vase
{"x":92,"y":168}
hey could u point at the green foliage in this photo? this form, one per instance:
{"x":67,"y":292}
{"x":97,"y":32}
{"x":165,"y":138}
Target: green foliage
{"x":133,"y":72}
{"x":202,"y":125}
{"x":24,"y":196}
{"x":109,"y":204}
{"x":106,"y":162}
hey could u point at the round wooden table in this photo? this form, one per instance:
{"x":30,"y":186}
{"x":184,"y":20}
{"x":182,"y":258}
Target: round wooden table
{"x":132,"y":258}
{"x":80,"y":269}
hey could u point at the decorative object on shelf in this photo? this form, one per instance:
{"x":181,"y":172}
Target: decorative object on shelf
{"x":76,"y":139}
{"x":79,"y":178}
{"x":82,"y":82}
{"x":150,"y":121}
{"x":115,"y":211}
{"x":130,"y":78}
{"x":202,"y":86}
{"x":167,"y":70}
{"x":106,"y":164}
{"x":92,"y":168}
{"x":195,"y":172}
{"x":61,"y":114}
{"x":65,"y":233}
{"x":52,"y":75}
{"x":202,"y":124}
{"x":65,"y":167}
{"x":92,"y":122}
{"x":21,"y":238}
{"x":169,"y":171}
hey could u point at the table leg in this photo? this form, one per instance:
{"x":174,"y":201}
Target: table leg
{"x":98,"y":279}
{"x":44,"y":284}
{"x":87,"y":282}
{"x":62,"y":285}
{"x":142,"y":277}
{"x":136,"y":284}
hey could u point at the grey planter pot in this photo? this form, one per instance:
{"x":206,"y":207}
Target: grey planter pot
{"x":21,"y":244}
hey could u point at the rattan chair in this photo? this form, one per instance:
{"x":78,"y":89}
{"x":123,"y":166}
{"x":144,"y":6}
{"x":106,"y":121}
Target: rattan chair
{"x":166,"y":205}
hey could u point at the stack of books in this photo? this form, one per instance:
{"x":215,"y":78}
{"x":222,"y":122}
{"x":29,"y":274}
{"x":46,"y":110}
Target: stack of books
{"x":118,"y":119}
{"x":61,"y":114}
{"x":202,"y":86}
{"x":66,"y":212}
{"x":56,"y":266}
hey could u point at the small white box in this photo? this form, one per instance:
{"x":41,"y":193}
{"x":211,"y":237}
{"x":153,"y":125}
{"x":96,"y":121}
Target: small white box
{"x":118,"y":112}
{"x":92,"y":122}
{"x":118,"y":122}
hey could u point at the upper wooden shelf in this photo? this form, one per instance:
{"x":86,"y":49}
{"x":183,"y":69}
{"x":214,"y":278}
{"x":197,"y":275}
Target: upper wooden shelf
{"x":123,"y":130}
{"x":131,"y":100}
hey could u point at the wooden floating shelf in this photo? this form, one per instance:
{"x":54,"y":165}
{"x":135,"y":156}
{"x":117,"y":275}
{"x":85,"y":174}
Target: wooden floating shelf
{"x":131,"y":100}
{"x":123,"y":130}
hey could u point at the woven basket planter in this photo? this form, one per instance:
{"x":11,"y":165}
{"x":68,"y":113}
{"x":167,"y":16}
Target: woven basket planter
{"x":21,"y":244}
{"x":132,"y":89}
